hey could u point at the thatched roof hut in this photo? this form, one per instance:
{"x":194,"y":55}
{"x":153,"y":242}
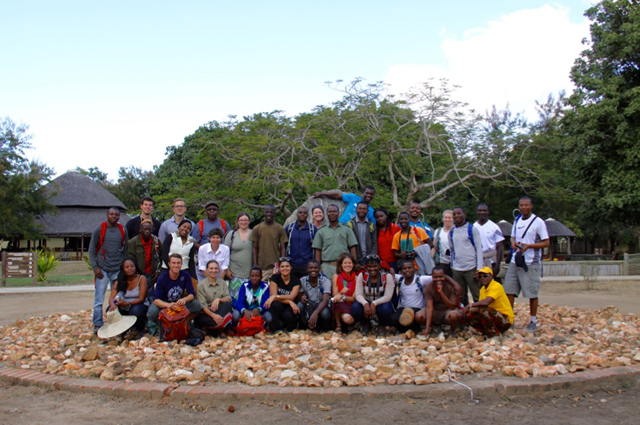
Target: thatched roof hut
{"x":506,"y":227}
{"x":555,"y":228}
{"x":82,"y":204}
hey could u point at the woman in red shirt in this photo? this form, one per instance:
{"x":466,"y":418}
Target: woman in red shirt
{"x":386,"y":231}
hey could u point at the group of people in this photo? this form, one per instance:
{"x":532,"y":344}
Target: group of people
{"x":320,"y":273}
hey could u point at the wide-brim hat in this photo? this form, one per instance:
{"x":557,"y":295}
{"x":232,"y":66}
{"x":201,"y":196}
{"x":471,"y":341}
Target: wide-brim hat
{"x":115,"y":324}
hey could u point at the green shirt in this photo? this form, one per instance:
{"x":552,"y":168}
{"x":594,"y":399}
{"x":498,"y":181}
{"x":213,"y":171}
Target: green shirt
{"x":333,"y":241}
{"x":208,"y":292}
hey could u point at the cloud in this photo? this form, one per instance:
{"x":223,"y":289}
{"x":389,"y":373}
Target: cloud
{"x":515,"y":60}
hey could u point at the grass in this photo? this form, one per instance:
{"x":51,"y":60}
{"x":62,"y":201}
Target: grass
{"x":67,"y":273}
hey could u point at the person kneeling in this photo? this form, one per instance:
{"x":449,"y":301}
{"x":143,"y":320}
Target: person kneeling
{"x":213,"y":293}
{"x":492,"y":315}
{"x":314,"y":299}
{"x":411,"y":305}
{"x":443,"y":297}
{"x":170,"y":290}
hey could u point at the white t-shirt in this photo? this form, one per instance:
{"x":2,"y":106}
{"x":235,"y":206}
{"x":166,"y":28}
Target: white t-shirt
{"x":411,"y":295}
{"x":536,"y":233}
{"x":490,"y":234}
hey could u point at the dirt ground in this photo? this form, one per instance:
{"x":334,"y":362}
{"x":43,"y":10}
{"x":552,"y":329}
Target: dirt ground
{"x":606,"y":405}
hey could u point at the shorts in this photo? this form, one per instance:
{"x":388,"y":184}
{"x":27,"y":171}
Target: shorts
{"x":439,"y":317}
{"x":518,"y":280}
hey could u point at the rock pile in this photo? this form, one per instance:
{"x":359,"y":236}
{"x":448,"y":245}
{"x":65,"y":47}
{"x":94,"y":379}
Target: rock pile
{"x":568,"y":340}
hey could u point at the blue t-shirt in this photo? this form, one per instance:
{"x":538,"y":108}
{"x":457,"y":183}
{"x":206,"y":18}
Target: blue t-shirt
{"x":169,"y":290}
{"x":351,"y":200}
{"x":424,"y":226}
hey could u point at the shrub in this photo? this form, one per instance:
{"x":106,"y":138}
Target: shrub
{"x":47,"y":262}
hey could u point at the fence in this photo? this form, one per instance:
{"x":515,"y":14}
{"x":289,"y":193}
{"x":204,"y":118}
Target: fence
{"x":575,"y":268}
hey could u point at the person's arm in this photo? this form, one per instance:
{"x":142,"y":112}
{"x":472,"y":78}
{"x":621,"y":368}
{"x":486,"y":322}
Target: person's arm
{"x":374,"y":245}
{"x":451,"y":304}
{"x":499,"y":257}
{"x":265,"y":297}
{"x":93,"y":243}
{"x":388,"y":290}
{"x":273,"y":290}
{"x":112,"y":297}
{"x":202,"y":261}
{"x":192,"y":261}
{"x":255,"y":251}
{"x":478,"y":247}
{"x":429,"y":315}
{"x":540,"y":245}
{"x":166,"y":250}
{"x":284,"y":299}
{"x":482,"y":303}
{"x":131,"y":253}
{"x":226,"y":257}
{"x":359,"y":292}
{"x":352,"y":250}
{"x":332,"y":195}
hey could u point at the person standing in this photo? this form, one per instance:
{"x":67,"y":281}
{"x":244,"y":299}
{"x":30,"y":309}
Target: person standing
{"x":407,"y":240}
{"x":529,"y":237}
{"x":107,"y":250}
{"x":415,"y":212}
{"x":466,"y":254}
{"x":146,"y":252}
{"x":351,"y":202}
{"x":365,"y":232}
{"x":299,"y":247}
{"x":317,"y":214}
{"x":201,"y":232}
{"x":146,"y":208}
{"x":240,"y":254}
{"x":441,"y":251}
{"x":386,"y":231}
{"x":491,"y":237}
{"x":171,"y":225}
{"x":332,"y":240}
{"x":269,"y":239}
{"x":214,"y":250}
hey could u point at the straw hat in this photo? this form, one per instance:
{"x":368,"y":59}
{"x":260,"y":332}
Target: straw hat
{"x":115,"y":324}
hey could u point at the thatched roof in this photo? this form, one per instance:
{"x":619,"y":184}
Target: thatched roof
{"x":76,"y":221}
{"x":82,"y":205}
{"x":77,"y":190}
{"x":555,"y":228}
{"x":506,"y":227}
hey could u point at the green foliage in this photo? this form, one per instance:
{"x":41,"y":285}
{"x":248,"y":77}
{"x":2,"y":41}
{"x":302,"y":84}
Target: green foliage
{"x":23,"y":198}
{"x":602,"y":122}
{"x":47,"y":263}
{"x":95,"y":174}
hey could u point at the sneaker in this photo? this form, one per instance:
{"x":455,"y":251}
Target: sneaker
{"x":532,"y":327}
{"x":95,"y":329}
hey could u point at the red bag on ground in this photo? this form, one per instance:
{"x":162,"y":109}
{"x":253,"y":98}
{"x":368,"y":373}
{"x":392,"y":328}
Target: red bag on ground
{"x":173,"y":324}
{"x":250,"y":327}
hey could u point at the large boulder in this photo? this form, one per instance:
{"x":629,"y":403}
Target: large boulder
{"x":312,"y":202}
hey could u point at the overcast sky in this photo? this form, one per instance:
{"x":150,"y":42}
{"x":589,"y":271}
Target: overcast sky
{"x":111,"y":84}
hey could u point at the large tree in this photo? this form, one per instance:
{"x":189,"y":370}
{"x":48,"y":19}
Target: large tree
{"x":602,"y":123}
{"x":23,"y":198}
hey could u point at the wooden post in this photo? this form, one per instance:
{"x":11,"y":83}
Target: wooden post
{"x":4,"y":269}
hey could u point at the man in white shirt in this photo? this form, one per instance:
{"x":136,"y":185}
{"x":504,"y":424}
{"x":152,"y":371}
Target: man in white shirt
{"x":529,"y":237}
{"x":491,"y":237}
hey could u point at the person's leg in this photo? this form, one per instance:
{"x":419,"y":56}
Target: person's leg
{"x":140,"y":311}
{"x":384,"y":313}
{"x":511,"y":283}
{"x":473,"y":285}
{"x":224,"y":308}
{"x":194,"y":307}
{"x":458,"y":276}
{"x":299,"y":272}
{"x":236,"y":316}
{"x":328,"y":270}
{"x":276,"y":309}
{"x":267,"y":317}
{"x":530,"y":281}
{"x":100,"y":291}
{"x":420,"y":316}
{"x":395,"y":320}
{"x":204,"y":321}
{"x":324,"y":320}
{"x":152,"y":313}
{"x":305,"y":313}
{"x":289,"y":319}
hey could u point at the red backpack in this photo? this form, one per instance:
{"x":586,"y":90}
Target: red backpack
{"x":250,"y":327}
{"x":173,"y":324}
{"x":223,"y":223}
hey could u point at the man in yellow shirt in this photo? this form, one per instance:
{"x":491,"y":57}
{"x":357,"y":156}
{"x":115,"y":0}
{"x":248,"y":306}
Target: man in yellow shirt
{"x":492,"y":315}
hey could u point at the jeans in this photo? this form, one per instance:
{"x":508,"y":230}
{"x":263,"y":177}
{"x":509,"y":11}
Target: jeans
{"x":383,"y":312}
{"x":140,"y":311}
{"x":467,"y":282}
{"x":266,"y":316}
{"x":101,"y":289}
{"x":283,"y":317}
{"x":204,"y":321}
{"x":324,"y":317}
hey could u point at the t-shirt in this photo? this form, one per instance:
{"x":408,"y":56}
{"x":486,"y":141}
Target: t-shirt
{"x":241,"y":257}
{"x":490,"y":234}
{"x":412,"y":295}
{"x":500,"y":300}
{"x":314,"y":293}
{"x":421,"y":224}
{"x":207,"y":226}
{"x":269,"y":238}
{"x":385,"y":241}
{"x":453,"y":291}
{"x":442,"y":245}
{"x":169,"y":290}
{"x":133,"y":226}
{"x":282,"y":288}
{"x":465,"y":255}
{"x":351,"y":203}
{"x":403,"y":242}
{"x":537,"y":233}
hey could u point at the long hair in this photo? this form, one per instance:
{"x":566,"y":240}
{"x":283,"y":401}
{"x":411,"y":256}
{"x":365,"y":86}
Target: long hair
{"x":122,"y":284}
{"x":341,"y":258}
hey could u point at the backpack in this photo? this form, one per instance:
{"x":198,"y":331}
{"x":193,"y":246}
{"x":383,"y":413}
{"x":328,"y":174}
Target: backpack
{"x":250,"y":327}
{"x":289,"y":231}
{"x":397,"y":293}
{"x":223,"y":223}
{"x":103,"y":232}
{"x":470,"y":236}
{"x":173,"y":324}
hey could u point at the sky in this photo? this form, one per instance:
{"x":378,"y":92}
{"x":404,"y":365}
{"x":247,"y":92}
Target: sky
{"x":112,"y":84}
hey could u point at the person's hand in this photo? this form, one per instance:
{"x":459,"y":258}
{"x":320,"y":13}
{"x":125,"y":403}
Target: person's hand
{"x":439,"y":288}
{"x":181,"y":302}
{"x":367,"y":311}
{"x":267,"y":303}
{"x":111,"y":307}
{"x":255,"y":312}
{"x":313,"y":320}
{"x":304,"y":299}
{"x":215,"y":304}
{"x":316,"y":195}
{"x":344,"y":290}
{"x":248,"y":314}
{"x":294,"y":307}
{"x":217,"y":318}
{"x":357,"y":268}
{"x":373,"y":310}
{"x":495,"y":268}
{"x":98,"y":273}
{"x":121,"y":303}
{"x":172,"y":305}
{"x":228,"y":275}
{"x":524,"y":247}
{"x":425,"y":332}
